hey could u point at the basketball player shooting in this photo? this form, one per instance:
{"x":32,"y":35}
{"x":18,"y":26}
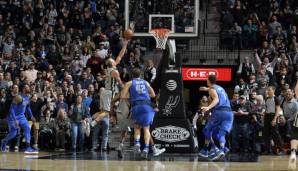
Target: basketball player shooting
{"x":221,"y":120}
{"x":111,"y":86}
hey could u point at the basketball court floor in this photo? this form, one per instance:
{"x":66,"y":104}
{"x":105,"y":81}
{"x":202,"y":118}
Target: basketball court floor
{"x":109,"y":161}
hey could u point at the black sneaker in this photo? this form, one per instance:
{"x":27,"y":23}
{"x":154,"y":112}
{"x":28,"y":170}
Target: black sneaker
{"x":120,"y":154}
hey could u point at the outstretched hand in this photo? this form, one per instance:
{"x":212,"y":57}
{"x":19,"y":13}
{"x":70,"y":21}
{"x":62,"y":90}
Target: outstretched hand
{"x":204,"y":88}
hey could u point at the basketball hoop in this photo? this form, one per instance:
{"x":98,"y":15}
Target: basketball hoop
{"x":161,"y":36}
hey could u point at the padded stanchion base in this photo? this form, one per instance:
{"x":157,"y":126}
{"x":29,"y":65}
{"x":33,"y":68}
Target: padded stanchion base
{"x":176,"y":135}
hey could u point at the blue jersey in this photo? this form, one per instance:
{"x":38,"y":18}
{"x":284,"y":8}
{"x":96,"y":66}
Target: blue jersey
{"x":17,"y":111}
{"x":224,"y":102}
{"x":139,"y":91}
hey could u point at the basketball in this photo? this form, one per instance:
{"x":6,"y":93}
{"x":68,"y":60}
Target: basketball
{"x":128,"y":34}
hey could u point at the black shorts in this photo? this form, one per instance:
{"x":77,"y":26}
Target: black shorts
{"x":294,"y":133}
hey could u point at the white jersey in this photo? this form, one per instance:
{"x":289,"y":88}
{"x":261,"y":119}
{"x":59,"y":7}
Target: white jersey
{"x":111,"y":83}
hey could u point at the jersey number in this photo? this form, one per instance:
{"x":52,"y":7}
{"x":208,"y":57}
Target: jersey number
{"x":141,"y":89}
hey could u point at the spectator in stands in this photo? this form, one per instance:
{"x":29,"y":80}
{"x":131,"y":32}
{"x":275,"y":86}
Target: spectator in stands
{"x":35,"y":105}
{"x":31,"y":73}
{"x":101,"y":52}
{"x":3,"y":83}
{"x":272,"y":111}
{"x":60,"y":104}
{"x":252,"y":84}
{"x":46,"y":129}
{"x":241,"y":124}
{"x":236,"y":32}
{"x":250,"y":34}
{"x":242,"y":88}
{"x":86,"y":98}
{"x":257,"y":112}
{"x":62,"y":129}
{"x":246,"y":69}
{"x":273,"y":26}
{"x":150,"y":72}
{"x":78,"y":112}
{"x":125,"y":76}
{"x":84,"y":81}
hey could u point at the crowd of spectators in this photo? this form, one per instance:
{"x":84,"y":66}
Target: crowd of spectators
{"x":58,"y":49}
{"x":264,"y":102}
{"x":248,"y":23}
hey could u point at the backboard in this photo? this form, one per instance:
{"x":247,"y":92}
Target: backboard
{"x":180,"y":16}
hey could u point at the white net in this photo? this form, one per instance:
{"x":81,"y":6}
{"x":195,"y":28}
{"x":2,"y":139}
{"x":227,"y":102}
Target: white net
{"x":161,"y":37}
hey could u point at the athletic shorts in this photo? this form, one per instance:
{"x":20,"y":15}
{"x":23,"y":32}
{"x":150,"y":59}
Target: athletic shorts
{"x":124,"y":115}
{"x":220,"y":120}
{"x":143,"y":115}
{"x":34,"y":124}
{"x":105,"y":100}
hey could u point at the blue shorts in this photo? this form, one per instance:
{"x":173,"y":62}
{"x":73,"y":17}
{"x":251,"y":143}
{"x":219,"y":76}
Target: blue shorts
{"x":143,"y":115}
{"x":220,"y":120}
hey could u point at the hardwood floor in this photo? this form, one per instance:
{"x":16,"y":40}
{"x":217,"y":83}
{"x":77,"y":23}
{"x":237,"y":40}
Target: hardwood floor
{"x":48,"y":161}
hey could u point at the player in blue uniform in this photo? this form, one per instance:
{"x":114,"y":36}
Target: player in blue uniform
{"x":221,"y":120}
{"x":16,"y":119}
{"x":142,"y":113}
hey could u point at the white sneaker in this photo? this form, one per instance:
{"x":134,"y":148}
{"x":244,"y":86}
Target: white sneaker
{"x":292,"y":161}
{"x":35,"y":146}
{"x":157,"y":152}
{"x":137,"y":149}
{"x":16,"y":149}
{"x":120,"y":147}
{"x":7,"y":148}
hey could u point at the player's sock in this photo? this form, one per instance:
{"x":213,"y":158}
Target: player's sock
{"x":137,"y":142}
{"x":146,"y":148}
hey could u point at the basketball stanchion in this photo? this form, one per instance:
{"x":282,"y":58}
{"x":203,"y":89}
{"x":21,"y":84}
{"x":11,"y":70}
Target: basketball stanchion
{"x":171,"y":129}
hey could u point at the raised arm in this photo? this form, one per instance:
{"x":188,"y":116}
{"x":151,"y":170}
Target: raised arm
{"x":122,"y":52}
{"x":258,"y":58}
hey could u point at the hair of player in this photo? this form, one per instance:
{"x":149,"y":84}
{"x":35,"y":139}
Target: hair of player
{"x":136,"y":73}
{"x":212,"y":79}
